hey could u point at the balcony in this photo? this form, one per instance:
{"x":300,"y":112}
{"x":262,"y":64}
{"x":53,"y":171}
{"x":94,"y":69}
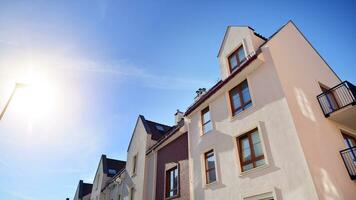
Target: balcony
{"x":338,"y":104}
{"x":349,"y":158}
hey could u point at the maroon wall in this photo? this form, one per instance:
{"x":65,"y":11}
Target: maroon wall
{"x":174,"y":152}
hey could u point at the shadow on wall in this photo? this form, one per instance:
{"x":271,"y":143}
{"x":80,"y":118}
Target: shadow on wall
{"x":266,"y":90}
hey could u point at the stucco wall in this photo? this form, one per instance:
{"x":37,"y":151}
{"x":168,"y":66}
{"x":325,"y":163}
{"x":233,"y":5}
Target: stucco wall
{"x":150,"y":174}
{"x":172,"y":153}
{"x":138,"y":147}
{"x":300,"y":69}
{"x":286,"y":174}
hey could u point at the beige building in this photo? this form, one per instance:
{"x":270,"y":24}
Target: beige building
{"x":262,"y":133}
{"x":279,"y":125}
{"x":106,"y":171}
{"x":83,"y":191}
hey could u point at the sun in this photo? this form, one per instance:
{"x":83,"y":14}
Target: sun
{"x":37,"y":100}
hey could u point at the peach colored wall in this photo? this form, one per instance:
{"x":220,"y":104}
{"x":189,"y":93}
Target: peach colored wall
{"x":286,"y":174}
{"x":236,"y":37}
{"x":300,"y":69}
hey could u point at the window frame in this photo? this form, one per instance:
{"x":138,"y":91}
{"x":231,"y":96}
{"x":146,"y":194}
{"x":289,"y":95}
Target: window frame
{"x":167,"y":182}
{"x":244,"y":105}
{"x":236,"y":55}
{"x":134,"y":166}
{"x":203,"y":112}
{"x":254,"y":158}
{"x":347,"y":136}
{"x":207,"y":170}
{"x":132,"y":193}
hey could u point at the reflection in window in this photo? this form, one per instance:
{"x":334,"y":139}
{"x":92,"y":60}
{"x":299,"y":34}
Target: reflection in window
{"x":210,"y":167}
{"x":250,"y":150}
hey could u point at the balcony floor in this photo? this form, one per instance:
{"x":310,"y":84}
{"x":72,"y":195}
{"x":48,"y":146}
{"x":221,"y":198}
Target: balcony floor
{"x":345,"y":116}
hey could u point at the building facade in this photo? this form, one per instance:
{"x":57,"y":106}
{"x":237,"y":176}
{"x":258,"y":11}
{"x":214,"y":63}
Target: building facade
{"x":260,"y":132}
{"x":279,"y":125}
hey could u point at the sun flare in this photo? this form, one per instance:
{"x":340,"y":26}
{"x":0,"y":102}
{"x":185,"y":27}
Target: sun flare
{"x":37,"y":100}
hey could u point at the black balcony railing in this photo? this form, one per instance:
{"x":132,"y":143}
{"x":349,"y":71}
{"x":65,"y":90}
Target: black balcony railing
{"x":349,"y":158}
{"x":338,"y":97}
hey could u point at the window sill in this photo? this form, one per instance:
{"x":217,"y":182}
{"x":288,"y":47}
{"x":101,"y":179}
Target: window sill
{"x":209,"y":185}
{"x":207,"y":133}
{"x":244,"y":113}
{"x":256,"y":169}
{"x":173,"y":197}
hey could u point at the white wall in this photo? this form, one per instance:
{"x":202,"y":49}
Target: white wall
{"x":286,"y":175}
{"x":138,"y":147}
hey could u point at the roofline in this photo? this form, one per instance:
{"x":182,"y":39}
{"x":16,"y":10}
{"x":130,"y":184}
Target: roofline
{"x":221,"y":83}
{"x":138,"y":118}
{"x":113,"y":179}
{"x":305,"y":38}
{"x":145,"y":125}
{"x":166,"y":137}
{"x":230,"y":26}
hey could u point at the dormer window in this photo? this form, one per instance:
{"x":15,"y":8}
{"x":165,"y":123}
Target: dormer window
{"x":237,"y":58}
{"x":112,"y":171}
{"x":160,"y":128}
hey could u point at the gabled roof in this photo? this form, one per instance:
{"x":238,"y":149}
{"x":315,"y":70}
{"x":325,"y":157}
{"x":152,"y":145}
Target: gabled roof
{"x":112,"y":164}
{"x":84,"y":189}
{"x":221,"y":83}
{"x":169,"y":134}
{"x":232,"y":26}
{"x":155,"y":129}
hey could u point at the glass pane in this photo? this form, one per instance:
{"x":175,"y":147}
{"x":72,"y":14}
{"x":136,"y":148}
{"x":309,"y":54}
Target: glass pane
{"x":257,"y":146}
{"x":246,"y":95}
{"x":241,"y":54}
{"x":246,"y":152}
{"x":211,"y":176}
{"x":211,"y":162}
{"x":208,"y":127}
{"x":236,"y":103}
{"x":233,"y":61}
{"x":171,"y":180}
{"x":260,"y":162}
{"x":206,"y":117}
{"x":247,"y":167}
{"x":175,"y":178}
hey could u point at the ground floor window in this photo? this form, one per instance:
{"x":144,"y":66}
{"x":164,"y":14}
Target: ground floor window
{"x":172,"y":182}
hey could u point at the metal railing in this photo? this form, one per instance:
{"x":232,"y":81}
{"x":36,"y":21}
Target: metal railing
{"x":349,"y":158}
{"x":338,"y":97}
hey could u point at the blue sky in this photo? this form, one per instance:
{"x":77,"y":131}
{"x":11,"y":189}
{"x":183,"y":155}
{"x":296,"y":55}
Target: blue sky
{"x":102,"y":63}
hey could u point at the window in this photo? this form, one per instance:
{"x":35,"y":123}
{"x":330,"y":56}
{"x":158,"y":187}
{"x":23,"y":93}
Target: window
{"x":331,"y":102}
{"x":134,"y":166}
{"x":160,"y":128}
{"x":172,"y":182}
{"x":210,"y":173}
{"x":206,"y":121}
{"x":112,"y":171}
{"x":132,"y":193}
{"x":250,"y":150}
{"x":240,"y":98}
{"x":349,"y":140}
{"x":236,"y":58}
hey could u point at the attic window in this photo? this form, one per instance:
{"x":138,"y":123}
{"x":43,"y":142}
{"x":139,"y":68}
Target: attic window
{"x":159,"y":127}
{"x":237,"y":58}
{"x":112,"y":171}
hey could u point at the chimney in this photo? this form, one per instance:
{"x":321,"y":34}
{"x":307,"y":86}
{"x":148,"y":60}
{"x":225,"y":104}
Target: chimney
{"x":179,"y":116}
{"x":200,"y":92}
